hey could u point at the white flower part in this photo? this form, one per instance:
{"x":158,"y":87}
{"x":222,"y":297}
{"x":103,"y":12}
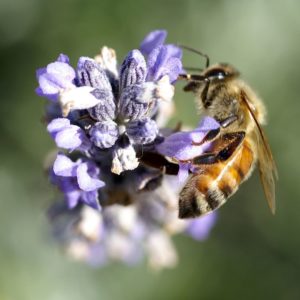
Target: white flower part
{"x":77,"y":98}
{"x":90,"y":225}
{"x":174,"y":225}
{"x":168,"y":193}
{"x":165,"y":112}
{"x":124,"y":159}
{"x":150,"y":88}
{"x":165,"y":90}
{"x":123,"y":218}
{"x":108,"y":60}
{"x":119,"y":246}
{"x":170,"y":188}
{"x":126,"y":218}
{"x":161,"y":251}
{"x":78,"y":250}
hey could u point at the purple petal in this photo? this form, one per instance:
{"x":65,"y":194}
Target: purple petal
{"x":154,"y":60}
{"x":174,"y":51}
{"x":70,"y":138}
{"x":91,"y":199}
{"x":55,"y":77}
{"x":63,"y":58}
{"x":152,"y":40}
{"x":200,"y":228}
{"x":133,"y":69}
{"x":69,"y":186}
{"x":67,"y":136}
{"x":63,"y":71}
{"x":207,"y":123}
{"x":64,"y":166}
{"x":172,"y":68}
{"x":72,"y":198}
{"x":50,"y":85}
{"x":85,"y":181}
{"x":40,"y":71}
{"x":164,"y":60}
{"x":183,"y":173}
{"x":57,"y":125}
{"x":180,"y":145}
{"x":40,"y":93}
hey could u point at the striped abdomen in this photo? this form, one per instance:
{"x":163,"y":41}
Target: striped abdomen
{"x":209,"y":190}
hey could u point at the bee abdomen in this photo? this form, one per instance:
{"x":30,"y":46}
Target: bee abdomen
{"x":208,"y":191}
{"x":199,"y":197}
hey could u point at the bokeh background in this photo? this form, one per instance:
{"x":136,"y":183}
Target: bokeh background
{"x":250,"y":254}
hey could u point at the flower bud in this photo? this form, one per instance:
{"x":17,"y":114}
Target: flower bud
{"x":133,"y":69}
{"x":104,"y":134}
{"x":142,"y":131}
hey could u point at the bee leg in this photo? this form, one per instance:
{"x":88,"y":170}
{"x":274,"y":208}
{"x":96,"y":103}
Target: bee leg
{"x":158,"y":161}
{"x":205,"y":159}
{"x":214,"y":157}
{"x":226,"y":152}
{"x":206,"y":102}
{"x":192,"y":86}
{"x":228,"y":121}
{"x":195,"y":81}
{"x":212,"y":134}
{"x":192,"y":77}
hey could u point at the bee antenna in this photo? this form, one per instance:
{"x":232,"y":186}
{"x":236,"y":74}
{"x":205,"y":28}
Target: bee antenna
{"x":197,"y":52}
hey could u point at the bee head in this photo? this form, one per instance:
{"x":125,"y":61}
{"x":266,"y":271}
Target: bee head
{"x":220,"y":71}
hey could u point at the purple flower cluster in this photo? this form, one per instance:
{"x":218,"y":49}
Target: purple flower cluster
{"x":104,"y":118}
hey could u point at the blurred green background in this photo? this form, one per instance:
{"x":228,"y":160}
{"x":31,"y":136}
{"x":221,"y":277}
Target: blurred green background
{"x":250,"y":254}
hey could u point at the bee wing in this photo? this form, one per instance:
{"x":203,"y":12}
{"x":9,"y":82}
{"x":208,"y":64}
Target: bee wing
{"x":266,"y":164}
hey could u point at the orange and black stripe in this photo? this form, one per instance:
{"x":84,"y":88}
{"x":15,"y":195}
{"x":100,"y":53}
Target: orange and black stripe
{"x":210,"y":189}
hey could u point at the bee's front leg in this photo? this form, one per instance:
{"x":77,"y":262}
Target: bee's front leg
{"x":214,"y":133}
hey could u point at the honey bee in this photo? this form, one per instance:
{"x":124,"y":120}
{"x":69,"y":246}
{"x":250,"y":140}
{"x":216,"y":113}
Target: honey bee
{"x":236,"y":147}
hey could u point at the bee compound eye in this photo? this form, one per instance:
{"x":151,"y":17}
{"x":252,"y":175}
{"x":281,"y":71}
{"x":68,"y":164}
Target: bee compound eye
{"x":216,"y":73}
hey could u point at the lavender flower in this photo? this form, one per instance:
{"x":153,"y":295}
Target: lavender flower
{"x":55,"y":77}
{"x":153,"y":40}
{"x":68,"y":136}
{"x":78,"y":180}
{"x":107,"y":119}
{"x":162,"y":59}
{"x":129,"y":233}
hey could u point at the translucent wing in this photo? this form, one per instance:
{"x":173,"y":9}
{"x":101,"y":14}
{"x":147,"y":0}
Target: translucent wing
{"x":267,"y":168}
